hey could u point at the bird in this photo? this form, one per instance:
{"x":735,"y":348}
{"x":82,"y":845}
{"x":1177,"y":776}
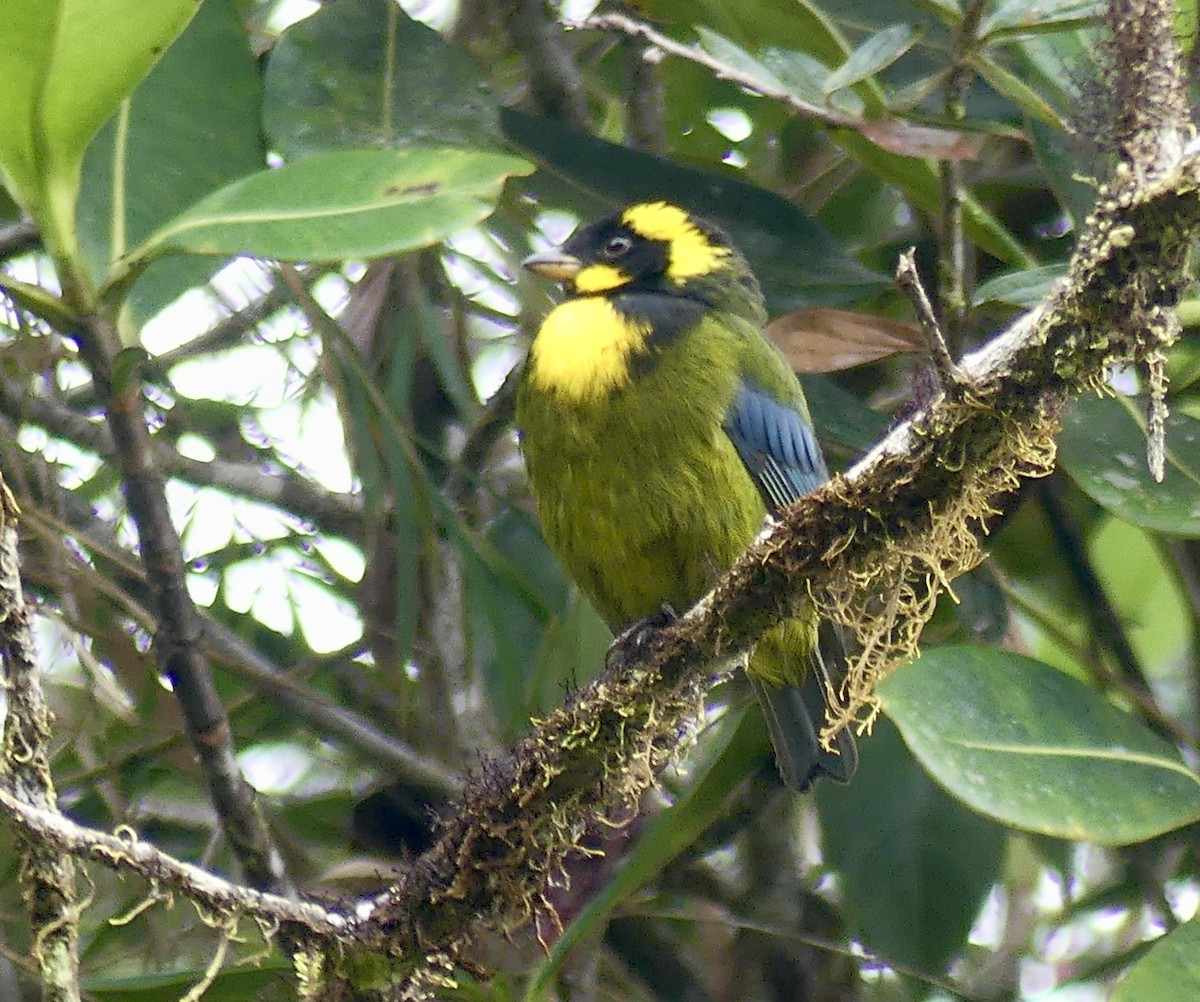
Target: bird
{"x":659,"y":428}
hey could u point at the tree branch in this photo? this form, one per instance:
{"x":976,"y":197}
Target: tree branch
{"x":1150,"y":122}
{"x":48,"y":875}
{"x":554,"y":80}
{"x":17,"y":238}
{"x":892,"y":134}
{"x":126,"y":852}
{"x":179,"y":623}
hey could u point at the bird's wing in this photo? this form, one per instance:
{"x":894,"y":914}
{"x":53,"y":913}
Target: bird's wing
{"x":781,"y":453}
{"x":776,"y":445}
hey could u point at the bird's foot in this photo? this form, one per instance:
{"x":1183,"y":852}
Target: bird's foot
{"x":634,"y":642}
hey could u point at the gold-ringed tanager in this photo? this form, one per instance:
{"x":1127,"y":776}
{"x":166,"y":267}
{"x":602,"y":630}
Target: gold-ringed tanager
{"x":659,"y":427}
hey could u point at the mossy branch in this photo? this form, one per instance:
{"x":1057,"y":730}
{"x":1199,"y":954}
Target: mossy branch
{"x":47,"y":875}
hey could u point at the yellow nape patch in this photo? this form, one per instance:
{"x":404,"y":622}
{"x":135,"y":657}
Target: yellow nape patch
{"x":692,"y":253}
{"x":582,"y":349}
{"x":599,"y":278}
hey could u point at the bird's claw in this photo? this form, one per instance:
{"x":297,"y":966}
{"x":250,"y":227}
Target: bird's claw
{"x":634,"y":641}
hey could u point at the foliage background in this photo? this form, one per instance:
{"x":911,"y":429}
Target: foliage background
{"x":380,"y":610}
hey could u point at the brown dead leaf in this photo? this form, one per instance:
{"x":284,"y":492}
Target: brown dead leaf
{"x":911,"y":140}
{"x":829,"y":340}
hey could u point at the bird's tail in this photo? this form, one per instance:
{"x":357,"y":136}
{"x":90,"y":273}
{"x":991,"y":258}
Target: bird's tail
{"x":795,"y":716}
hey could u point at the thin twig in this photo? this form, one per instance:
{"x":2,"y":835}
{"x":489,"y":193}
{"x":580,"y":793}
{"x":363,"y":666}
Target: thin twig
{"x":722,"y":71}
{"x":954,"y":265}
{"x":645,"y":98}
{"x":404,"y":762}
{"x":909,"y":279}
{"x":893,"y":134}
{"x":17,"y":238}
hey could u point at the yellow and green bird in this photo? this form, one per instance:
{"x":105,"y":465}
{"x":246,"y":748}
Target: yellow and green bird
{"x":659,"y":427}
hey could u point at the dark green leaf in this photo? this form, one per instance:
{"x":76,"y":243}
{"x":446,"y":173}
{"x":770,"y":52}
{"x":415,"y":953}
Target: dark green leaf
{"x":1103,"y":448}
{"x":1065,"y":162}
{"x":234,"y":985}
{"x":363,"y":73}
{"x":1169,"y":972}
{"x":1020,"y":17}
{"x":915,"y":865}
{"x":507,"y":623}
{"x":573,"y":648}
{"x":1031,"y":747}
{"x":1028,"y":100}
{"x":840,"y":416}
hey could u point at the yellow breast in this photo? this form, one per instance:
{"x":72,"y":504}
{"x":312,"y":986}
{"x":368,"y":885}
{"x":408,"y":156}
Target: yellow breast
{"x":583,"y":349}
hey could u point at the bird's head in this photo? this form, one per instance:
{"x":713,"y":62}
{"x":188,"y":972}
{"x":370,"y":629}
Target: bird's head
{"x":648,"y":247}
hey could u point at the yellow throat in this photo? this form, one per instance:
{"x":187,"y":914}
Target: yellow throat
{"x":583,"y":348}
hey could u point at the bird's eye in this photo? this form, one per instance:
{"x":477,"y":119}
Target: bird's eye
{"x":617,"y":247}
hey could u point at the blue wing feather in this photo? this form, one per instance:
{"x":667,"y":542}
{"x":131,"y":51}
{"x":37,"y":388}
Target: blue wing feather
{"x":776,"y":445}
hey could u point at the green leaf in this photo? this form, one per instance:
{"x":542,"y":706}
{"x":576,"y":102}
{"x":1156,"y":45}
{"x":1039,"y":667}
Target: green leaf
{"x":513,"y":592}
{"x":1025,"y":744}
{"x":918,"y":180}
{"x":363,"y":73}
{"x":1169,"y":971}
{"x":1064,"y":163}
{"x":1009,"y":84}
{"x":787,"y":23}
{"x":841,"y":416}
{"x":797,"y":261}
{"x":191,"y":126}
{"x":737,"y":750}
{"x":1021,"y":17}
{"x":233,"y":985}
{"x":395,"y":486}
{"x":1022,"y":288}
{"x":573,"y":649}
{"x":914,"y":864}
{"x":39,"y":302}
{"x":66,"y":65}
{"x":1103,"y":448}
{"x":876,"y":53}
{"x":803,"y":76}
{"x":820,"y":37}
{"x":739,"y":59}
{"x":342,"y":204}
{"x":1142,"y":584}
